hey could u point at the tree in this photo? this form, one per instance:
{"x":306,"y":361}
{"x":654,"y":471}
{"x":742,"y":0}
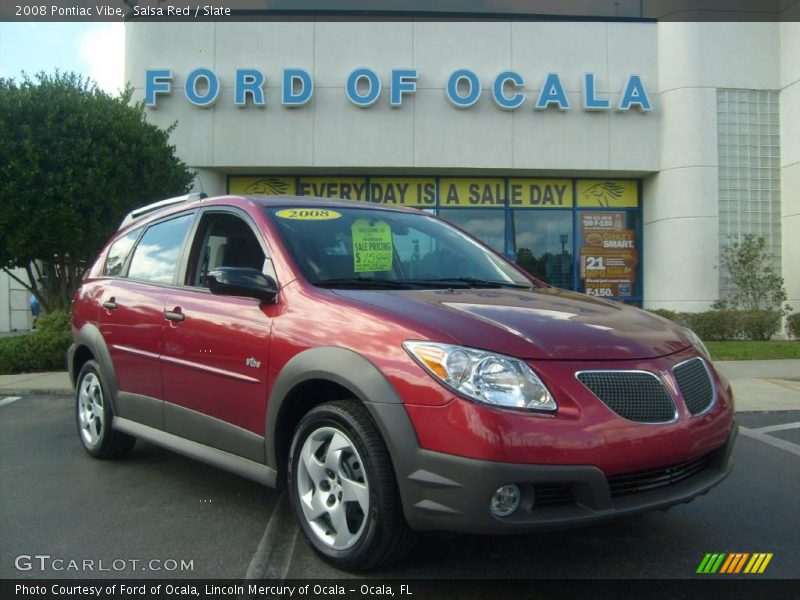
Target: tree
{"x":751,"y":274}
{"x":74,"y":161}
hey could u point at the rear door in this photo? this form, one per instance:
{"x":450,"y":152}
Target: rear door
{"x":215,"y":350}
{"x":132,"y":316}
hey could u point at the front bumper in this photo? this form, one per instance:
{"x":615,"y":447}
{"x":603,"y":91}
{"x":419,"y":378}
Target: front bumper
{"x":452,"y":493}
{"x":444,"y":492}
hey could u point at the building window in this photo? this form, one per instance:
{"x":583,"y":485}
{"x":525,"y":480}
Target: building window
{"x":748,"y":137}
{"x":486,"y":224}
{"x":543,"y":244}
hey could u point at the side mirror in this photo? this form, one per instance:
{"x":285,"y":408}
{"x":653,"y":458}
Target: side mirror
{"x":242,"y":281}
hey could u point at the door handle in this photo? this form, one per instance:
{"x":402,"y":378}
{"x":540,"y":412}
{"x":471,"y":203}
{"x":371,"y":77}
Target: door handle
{"x":174,"y":315}
{"x":110,"y":304}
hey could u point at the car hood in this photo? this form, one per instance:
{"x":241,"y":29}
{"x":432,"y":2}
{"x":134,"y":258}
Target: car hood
{"x":545,"y":323}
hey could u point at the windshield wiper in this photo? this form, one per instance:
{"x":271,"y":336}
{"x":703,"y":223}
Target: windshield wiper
{"x":365,"y":282}
{"x":473,"y":282}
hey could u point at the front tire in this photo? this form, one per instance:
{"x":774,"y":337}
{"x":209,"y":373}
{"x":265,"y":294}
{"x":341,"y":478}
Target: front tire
{"x":94,"y":416}
{"x":343,"y":490}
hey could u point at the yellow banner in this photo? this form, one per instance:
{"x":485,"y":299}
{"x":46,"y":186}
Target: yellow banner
{"x":453,"y":192}
{"x":540,"y":193}
{"x":608,"y":193}
{"x":403,"y":191}
{"x":266,"y":185}
{"x":461,"y":192}
{"x":345,"y":188}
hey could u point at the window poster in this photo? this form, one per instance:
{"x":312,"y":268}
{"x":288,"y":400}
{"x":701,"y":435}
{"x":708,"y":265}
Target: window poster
{"x":609,"y":253}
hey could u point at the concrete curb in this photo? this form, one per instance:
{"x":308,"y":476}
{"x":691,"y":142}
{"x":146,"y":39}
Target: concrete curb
{"x":39,"y":391}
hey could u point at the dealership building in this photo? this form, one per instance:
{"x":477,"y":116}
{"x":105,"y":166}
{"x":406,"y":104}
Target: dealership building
{"x":613,"y":157}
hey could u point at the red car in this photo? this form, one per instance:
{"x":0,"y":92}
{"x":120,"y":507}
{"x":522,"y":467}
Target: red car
{"x":393,"y":373}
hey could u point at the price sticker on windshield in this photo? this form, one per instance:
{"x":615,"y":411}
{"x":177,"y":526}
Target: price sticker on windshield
{"x":372,"y":246}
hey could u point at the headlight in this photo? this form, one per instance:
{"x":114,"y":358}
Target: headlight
{"x":483,"y":376}
{"x":697,"y":342}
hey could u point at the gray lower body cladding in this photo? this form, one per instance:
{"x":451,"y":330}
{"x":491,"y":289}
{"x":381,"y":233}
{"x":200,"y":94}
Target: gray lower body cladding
{"x":451,"y":493}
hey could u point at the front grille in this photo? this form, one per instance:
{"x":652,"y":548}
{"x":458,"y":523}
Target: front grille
{"x":643,"y":481}
{"x":634,"y":395}
{"x":552,"y":495}
{"x":695,"y":385}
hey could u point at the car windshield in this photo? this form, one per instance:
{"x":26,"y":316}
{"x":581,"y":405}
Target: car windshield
{"x":370,"y":248}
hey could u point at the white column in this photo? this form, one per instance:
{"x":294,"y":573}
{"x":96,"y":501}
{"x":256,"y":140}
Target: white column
{"x":681,"y":201}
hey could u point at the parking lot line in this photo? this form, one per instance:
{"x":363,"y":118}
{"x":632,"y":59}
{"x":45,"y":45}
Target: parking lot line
{"x":781,"y":427}
{"x":759,"y":435}
{"x":794,"y":387}
{"x":9,"y":400}
{"x":273,"y":556}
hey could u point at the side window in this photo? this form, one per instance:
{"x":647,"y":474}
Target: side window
{"x":118,"y":254}
{"x":224,"y":240}
{"x":158,"y":252}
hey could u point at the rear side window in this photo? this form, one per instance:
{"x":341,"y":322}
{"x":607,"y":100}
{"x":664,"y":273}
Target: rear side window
{"x":157,"y":254}
{"x":118,"y":254}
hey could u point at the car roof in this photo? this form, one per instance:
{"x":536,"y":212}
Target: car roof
{"x":282,"y":201}
{"x":318,"y":202}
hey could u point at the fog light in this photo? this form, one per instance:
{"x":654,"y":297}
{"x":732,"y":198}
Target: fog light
{"x":505,"y":500}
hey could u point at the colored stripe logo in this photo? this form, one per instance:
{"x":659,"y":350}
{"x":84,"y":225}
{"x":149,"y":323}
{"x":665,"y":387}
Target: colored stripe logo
{"x":734,"y":562}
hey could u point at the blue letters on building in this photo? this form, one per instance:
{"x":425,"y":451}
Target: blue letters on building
{"x":207,"y":98}
{"x":373,"y":91}
{"x":363,"y":88}
{"x":471,"y":97}
{"x":503,"y":101}
{"x":156,"y":81}
{"x":552,"y":93}
{"x":404,"y":81}
{"x":249,"y":82}
{"x":303,"y":95}
{"x":634,"y":95}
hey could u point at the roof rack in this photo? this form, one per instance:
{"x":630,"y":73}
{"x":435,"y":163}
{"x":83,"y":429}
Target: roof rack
{"x":143,"y":211}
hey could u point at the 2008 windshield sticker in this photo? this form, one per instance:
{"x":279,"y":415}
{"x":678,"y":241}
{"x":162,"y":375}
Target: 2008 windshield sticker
{"x":372,"y":246}
{"x":308,"y":214}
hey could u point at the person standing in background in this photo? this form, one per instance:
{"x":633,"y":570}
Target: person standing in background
{"x":35,"y":310}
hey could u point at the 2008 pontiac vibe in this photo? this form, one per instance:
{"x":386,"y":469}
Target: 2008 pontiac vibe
{"x":390,"y":371}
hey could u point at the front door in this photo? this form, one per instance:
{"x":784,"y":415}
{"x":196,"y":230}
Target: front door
{"x":216,"y":348}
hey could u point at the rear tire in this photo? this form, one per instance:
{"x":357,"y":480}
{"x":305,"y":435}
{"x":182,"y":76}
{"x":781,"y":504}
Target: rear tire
{"x":94,"y":416}
{"x":343,"y":489}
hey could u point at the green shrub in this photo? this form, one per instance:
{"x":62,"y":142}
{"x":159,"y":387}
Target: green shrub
{"x":672,"y":315}
{"x":793,"y":325}
{"x":57,"y":321}
{"x":680,"y":318}
{"x":759,"y":324}
{"x":729,"y":324}
{"x":715,"y":325}
{"x":42,"y":350}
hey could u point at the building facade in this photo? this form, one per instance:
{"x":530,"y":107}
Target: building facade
{"x":611,"y":157}
{"x":15,"y":309}
{"x":614,"y":158}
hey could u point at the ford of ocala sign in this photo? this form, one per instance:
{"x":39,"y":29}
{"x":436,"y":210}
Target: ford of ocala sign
{"x":363,"y":88}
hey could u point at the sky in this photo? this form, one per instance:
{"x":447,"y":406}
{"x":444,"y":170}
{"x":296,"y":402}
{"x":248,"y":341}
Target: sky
{"x":96,"y":50}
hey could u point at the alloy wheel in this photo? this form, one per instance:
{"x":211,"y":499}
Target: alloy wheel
{"x":91,"y":408}
{"x":332,"y":488}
